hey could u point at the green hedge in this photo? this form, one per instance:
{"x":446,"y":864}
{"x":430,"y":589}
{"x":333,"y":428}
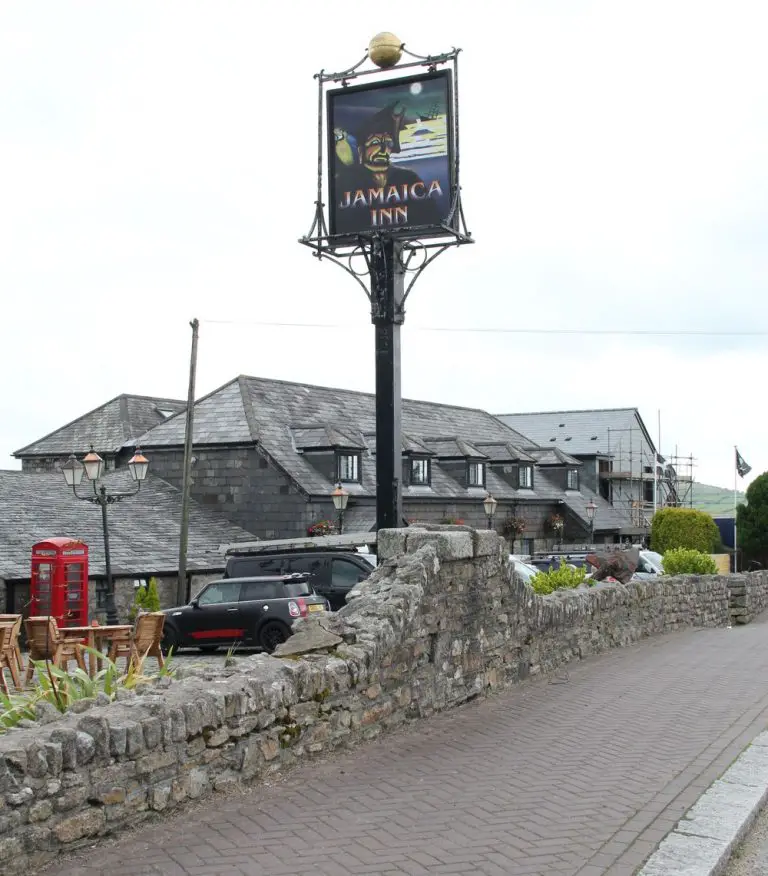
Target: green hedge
{"x":683,"y":528}
{"x":681,"y":561}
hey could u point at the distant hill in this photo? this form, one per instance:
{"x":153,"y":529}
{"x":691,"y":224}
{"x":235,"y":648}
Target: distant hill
{"x":716,"y":501}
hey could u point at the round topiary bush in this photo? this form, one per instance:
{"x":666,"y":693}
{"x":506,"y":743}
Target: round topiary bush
{"x":683,"y":528}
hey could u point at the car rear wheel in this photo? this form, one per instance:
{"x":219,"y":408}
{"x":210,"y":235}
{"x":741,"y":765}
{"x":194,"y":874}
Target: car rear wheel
{"x":273,"y":634}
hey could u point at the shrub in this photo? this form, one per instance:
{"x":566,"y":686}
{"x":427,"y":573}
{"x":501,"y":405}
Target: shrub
{"x":682,"y":561}
{"x":752,"y":523}
{"x":683,"y":528}
{"x":152,"y":599}
{"x":139,"y":602}
{"x":62,"y":689}
{"x":564,"y":578}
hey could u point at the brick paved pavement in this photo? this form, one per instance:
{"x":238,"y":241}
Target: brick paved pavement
{"x":581,"y":776}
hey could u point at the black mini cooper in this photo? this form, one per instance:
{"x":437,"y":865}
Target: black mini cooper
{"x":255,"y":612}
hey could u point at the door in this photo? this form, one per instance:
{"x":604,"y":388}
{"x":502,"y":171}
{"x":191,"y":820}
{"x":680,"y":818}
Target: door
{"x":75,"y":597}
{"x":42,"y":589}
{"x":259,"y":604}
{"x":217,"y":619}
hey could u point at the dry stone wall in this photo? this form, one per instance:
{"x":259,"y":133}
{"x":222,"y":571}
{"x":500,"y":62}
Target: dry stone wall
{"x":441,"y":621}
{"x":748,"y":595}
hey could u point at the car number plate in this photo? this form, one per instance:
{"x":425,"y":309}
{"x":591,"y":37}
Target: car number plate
{"x":314,"y":607}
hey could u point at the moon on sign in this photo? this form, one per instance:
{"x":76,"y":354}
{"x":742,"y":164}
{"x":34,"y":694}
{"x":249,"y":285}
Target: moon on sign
{"x":416,"y":88}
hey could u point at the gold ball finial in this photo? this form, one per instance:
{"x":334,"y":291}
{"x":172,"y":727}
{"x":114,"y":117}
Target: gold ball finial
{"x":385,"y":50}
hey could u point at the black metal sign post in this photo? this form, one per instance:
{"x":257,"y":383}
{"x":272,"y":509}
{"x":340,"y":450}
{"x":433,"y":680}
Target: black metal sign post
{"x":395,"y":205}
{"x":387,"y":288}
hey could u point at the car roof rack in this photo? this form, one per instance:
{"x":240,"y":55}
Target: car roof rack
{"x":348,"y":540}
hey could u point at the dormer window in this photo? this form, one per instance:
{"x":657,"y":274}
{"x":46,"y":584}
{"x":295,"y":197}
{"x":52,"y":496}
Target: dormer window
{"x":525,"y":477}
{"x":476,"y":474}
{"x":420,"y":472}
{"x":572,"y":482}
{"x":349,"y":468}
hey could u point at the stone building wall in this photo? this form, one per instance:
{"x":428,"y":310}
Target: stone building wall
{"x":242,"y":484}
{"x":440,"y":622}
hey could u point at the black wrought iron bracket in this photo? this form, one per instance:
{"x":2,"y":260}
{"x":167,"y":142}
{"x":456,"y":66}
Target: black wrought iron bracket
{"x":422,"y":245}
{"x":102,"y":497}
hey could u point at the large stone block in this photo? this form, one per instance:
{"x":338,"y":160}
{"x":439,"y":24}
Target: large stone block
{"x":448,"y":546}
{"x":390,"y":543}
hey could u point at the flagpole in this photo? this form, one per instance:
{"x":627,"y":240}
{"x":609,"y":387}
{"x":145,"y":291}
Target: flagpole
{"x":735,"y":508}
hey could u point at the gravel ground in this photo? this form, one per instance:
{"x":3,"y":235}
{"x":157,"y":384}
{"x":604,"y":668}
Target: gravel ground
{"x":751,"y":858}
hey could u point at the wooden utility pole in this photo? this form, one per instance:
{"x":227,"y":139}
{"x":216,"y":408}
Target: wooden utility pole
{"x":182,"y":589}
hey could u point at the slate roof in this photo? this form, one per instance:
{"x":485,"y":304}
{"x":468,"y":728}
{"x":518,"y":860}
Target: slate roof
{"x":250,"y":409}
{"x":606,"y":517}
{"x":143,"y":530}
{"x":583,"y":433}
{"x":550,"y":456}
{"x":109,"y":427}
{"x":503,"y":451}
{"x":326,"y":437}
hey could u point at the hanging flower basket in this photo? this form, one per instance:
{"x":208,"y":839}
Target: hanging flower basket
{"x":556,"y":523}
{"x":512,"y":527}
{"x":322,"y":527}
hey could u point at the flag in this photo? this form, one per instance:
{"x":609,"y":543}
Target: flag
{"x":741,"y":466}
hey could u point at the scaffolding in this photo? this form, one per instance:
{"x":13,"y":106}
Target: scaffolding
{"x":638,"y":481}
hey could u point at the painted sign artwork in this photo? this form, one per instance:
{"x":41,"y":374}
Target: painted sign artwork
{"x":390,"y":156}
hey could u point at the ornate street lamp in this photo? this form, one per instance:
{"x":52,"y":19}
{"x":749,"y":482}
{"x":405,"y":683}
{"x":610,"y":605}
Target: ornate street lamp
{"x":591,"y":511}
{"x":93,"y":468}
{"x":340,"y":498}
{"x":489,"y":506}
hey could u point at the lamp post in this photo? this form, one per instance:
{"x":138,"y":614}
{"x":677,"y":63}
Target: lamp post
{"x":340,"y":498}
{"x":591,"y":511}
{"x":93,"y":468}
{"x":489,"y":506}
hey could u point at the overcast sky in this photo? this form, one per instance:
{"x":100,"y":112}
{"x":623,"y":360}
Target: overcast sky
{"x":158,"y":164}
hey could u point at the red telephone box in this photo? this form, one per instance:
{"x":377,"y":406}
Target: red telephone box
{"x":60,"y":581}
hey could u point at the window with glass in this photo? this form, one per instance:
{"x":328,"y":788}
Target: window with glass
{"x":44,"y":579}
{"x":349,"y":467}
{"x":420,"y":472}
{"x":476,"y":474}
{"x":648,"y":491}
{"x":345,"y":575}
{"x":254,"y":590}
{"x":573,"y":479}
{"x":525,"y":477}
{"x":220,"y":592}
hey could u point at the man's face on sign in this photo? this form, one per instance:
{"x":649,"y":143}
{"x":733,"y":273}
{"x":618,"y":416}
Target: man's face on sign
{"x":376,"y":151}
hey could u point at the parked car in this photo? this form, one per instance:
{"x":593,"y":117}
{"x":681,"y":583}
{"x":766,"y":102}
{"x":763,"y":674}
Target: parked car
{"x":333,"y":572}
{"x":651,"y":564}
{"x":254,"y":611}
{"x":525,"y":570}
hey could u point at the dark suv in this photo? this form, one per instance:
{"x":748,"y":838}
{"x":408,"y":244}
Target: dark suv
{"x":333,"y":573}
{"x":252,"y":611}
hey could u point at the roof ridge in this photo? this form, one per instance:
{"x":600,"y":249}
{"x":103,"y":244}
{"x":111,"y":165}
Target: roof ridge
{"x":196,"y":402}
{"x":121,"y":398}
{"x":360,"y":392}
{"x":67,"y":425}
{"x":571,"y":411}
{"x":250,"y":416}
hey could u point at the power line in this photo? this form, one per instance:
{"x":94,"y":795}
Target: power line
{"x":703,"y":333}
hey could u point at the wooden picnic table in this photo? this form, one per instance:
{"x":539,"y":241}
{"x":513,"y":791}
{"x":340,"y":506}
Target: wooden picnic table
{"x":95,"y":636}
